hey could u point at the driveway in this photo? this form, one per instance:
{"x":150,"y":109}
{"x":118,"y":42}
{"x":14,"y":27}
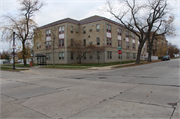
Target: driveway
{"x":145,"y":91}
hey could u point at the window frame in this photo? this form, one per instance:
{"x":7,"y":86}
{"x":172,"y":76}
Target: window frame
{"x":127,"y":44}
{"x":49,"y":45}
{"x":97,"y":28}
{"x":61,"y":30}
{"x":108,"y":28}
{"x":109,"y":54}
{"x":84,"y":42}
{"x":84,"y":30}
{"x":62,"y":43}
{"x":71,"y":29}
{"x":61,"y":55}
{"x":119,"y":31}
{"x":109,"y":41}
{"x":72,"y":55}
{"x":119,"y":42}
{"x":98,"y":40}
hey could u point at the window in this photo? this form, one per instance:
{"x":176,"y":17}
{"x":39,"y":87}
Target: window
{"x":134,"y":46}
{"x":84,"y":42}
{"x":71,"y":55}
{"x":37,"y":45}
{"x":84,"y":53}
{"x":61,"y":42}
{"x":48,"y":44}
{"x":98,"y":54}
{"x":119,"y":43}
{"x":71,"y":42}
{"x":84,"y":30}
{"x":119,"y":56}
{"x":119,"y":31}
{"x":127,"y":55}
{"x":48,"y":33}
{"x":61,"y":55}
{"x":61,"y":29}
{"x":133,"y":43}
{"x":97,"y":27}
{"x":48,"y":56}
{"x":71,"y":29}
{"x":98,"y":41}
{"x":127,"y":33}
{"x":134,"y":55}
{"x":109,"y":54}
{"x":127,"y":44}
{"x":108,"y":28}
{"x":108,"y":41}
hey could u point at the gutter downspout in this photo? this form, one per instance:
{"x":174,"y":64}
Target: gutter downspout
{"x":66,"y":45}
{"x":105,"y":41}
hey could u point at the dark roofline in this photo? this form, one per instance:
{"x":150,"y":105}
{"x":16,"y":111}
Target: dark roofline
{"x":81,"y":22}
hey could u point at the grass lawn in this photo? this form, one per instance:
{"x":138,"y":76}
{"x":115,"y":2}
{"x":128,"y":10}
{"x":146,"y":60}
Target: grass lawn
{"x":10,"y":69}
{"x":95,"y":64}
{"x":67,"y":67}
{"x":18,"y":65}
{"x":142,"y":62}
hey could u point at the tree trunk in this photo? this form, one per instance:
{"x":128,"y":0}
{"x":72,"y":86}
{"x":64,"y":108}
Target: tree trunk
{"x":150,"y":49}
{"x":139,"y":54}
{"x":79,"y":61}
{"x":24,"y":53}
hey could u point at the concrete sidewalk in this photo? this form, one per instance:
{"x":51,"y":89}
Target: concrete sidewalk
{"x":109,"y":67}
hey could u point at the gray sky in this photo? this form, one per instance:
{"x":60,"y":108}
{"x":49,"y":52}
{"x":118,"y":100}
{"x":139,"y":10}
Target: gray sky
{"x":76,"y":9}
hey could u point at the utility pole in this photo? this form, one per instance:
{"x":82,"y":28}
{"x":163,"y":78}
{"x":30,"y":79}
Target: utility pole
{"x":14,"y":50}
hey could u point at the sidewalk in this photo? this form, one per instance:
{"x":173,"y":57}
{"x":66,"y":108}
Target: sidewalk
{"x":109,"y":67}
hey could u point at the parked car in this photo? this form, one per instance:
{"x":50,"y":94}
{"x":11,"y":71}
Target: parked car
{"x":166,"y":57}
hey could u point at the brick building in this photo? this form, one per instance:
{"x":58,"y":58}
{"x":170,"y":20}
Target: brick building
{"x":158,"y":44}
{"x":97,"y":30}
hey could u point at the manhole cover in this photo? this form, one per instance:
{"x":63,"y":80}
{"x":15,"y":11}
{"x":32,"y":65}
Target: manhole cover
{"x":102,"y":77}
{"x":79,"y":78}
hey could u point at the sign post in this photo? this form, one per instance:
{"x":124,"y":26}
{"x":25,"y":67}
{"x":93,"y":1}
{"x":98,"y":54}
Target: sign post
{"x":14,"y":50}
{"x":120,"y":52}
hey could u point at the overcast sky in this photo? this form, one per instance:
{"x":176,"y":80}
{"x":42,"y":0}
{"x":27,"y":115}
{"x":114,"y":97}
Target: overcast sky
{"x":76,"y":9}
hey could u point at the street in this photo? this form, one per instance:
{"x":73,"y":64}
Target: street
{"x":144,"y":91}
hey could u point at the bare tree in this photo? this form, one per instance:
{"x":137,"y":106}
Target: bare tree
{"x":140,"y":18}
{"x":22,"y":24}
{"x":80,"y":50}
{"x":54,"y":43}
{"x":172,"y":49}
{"x":165,"y":27}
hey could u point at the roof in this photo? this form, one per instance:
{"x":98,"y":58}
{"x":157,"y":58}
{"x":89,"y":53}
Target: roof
{"x":83,"y":21}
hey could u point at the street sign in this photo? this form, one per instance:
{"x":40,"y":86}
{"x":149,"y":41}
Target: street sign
{"x":119,"y":48}
{"x":119,"y":51}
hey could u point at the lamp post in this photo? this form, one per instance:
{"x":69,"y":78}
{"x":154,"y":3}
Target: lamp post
{"x":14,"y":50}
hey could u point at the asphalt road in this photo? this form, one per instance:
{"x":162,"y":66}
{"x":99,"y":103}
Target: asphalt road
{"x":145,"y":91}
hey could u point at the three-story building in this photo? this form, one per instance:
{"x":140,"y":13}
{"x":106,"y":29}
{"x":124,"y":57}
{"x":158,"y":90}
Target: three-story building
{"x":95,"y":30}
